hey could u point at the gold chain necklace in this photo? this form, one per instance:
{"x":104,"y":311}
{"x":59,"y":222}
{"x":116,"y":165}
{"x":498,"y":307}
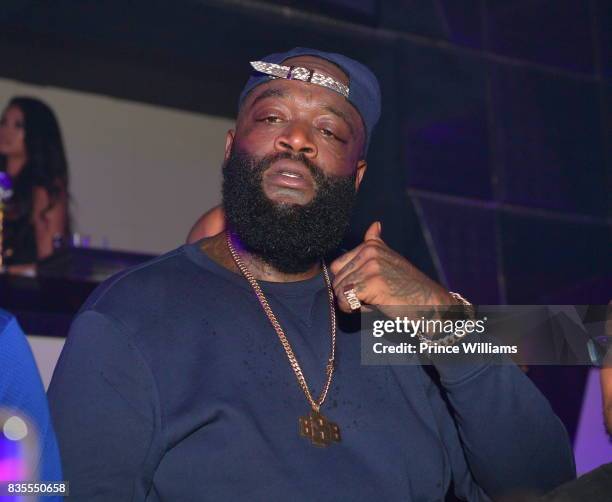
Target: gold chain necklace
{"x":315,"y":426}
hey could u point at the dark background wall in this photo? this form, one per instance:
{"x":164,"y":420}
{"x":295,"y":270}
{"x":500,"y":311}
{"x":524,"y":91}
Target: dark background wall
{"x":491,"y":168}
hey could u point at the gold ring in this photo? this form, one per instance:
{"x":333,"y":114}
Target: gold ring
{"x":351,"y":298}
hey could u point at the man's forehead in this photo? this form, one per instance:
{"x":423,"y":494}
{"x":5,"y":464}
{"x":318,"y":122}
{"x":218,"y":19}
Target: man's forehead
{"x":291,"y":89}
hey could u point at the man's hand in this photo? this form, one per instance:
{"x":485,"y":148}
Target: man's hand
{"x":381,"y":277}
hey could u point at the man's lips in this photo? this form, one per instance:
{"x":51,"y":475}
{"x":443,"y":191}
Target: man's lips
{"x":289,"y":174}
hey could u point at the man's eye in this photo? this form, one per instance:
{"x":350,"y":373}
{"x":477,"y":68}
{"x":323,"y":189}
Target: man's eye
{"x":271,"y":119}
{"x":328,"y":133}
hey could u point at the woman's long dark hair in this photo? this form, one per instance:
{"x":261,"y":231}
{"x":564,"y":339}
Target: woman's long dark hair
{"x":46,"y":164}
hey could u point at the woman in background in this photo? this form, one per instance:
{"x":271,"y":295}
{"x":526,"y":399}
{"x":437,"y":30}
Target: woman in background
{"x":32,"y":154}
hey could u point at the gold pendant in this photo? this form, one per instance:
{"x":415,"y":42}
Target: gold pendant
{"x":321,"y":431}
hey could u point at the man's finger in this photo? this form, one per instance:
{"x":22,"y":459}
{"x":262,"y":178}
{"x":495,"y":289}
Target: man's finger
{"x":369,"y":250}
{"x":341,"y":261}
{"x":342,"y":299}
{"x":364,"y":286}
{"x":349,"y":267}
{"x":374,"y":232}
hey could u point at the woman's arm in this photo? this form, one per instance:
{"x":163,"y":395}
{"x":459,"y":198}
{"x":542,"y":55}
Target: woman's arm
{"x":606,"y":389}
{"x":49,"y":219}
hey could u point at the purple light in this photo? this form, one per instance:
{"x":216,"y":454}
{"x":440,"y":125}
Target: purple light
{"x":6,"y":187}
{"x":5,"y":181}
{"x":592,"y":446}
{"x":13,"y":466}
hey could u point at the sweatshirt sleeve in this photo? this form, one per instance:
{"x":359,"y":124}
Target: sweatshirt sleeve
{"x":512,"y":440}
{"x":22,"y":394}
{"x":105,"y":409}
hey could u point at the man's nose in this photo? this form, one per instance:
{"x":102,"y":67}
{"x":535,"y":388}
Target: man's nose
{"x":296,"y":138}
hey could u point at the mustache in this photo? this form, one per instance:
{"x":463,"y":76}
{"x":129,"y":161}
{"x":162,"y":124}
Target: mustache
{"x":262,"y":164}
{"x":314,"y":169}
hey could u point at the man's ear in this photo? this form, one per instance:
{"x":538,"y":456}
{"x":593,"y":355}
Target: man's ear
{"x":229,"y":141}
{"x":362,"y":165}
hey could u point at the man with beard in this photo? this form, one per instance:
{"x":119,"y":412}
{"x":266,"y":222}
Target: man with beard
{"x":218,"y":371}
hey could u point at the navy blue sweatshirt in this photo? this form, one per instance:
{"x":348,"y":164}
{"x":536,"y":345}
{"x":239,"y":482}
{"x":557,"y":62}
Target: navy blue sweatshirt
{"x":173,"y":386}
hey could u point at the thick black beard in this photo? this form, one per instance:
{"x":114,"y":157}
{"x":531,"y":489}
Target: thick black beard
{"x":290,"y":237}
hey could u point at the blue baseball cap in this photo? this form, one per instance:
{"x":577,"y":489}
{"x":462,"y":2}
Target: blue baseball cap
{"x":363,"y":88}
